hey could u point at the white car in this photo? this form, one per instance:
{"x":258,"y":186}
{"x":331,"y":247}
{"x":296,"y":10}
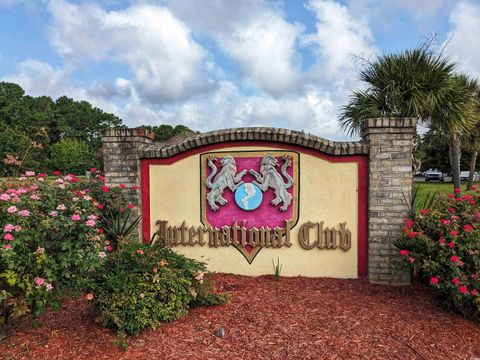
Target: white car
{"x":433,"y":174}
{"x":465,"y":174}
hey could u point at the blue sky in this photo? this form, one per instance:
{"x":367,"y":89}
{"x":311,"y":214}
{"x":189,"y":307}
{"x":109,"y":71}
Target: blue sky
{"x":212,"y":64}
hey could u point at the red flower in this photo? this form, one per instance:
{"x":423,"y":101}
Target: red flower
{"x":474,"y":292}
{"x":100,"y":206}
{"x":134,"y":187}
{"x":451,"y":196}
{"x":445,"y":221}
{"x":473,"y":187}
{"x":404,"y":252}
{"x":457,"y":190}
{"x":454,"y":232}
{"x":434,"y":280}
{"x":468,"y":197}
{"x":74,"y":179}
{"x":57,"y":172}
{"x":122,"y":186}
{"x":93,"y":170}
{"x":451,"y":210}
{"x":424,"y":211}
{"x":89,"y":296}
{"x":463,"y":289}
{"x":140,"y":251}
{"x":455,"y":281}
{"x":109,"y":247}
{"x":42,"y":175}
{"x":468,"y":228}
{"x":130,"y":206}
{"x":100,"y":231}
{"x":453,"y":258}
{"x":441,"y":241}
{"x":451,"y":244}
{"x":472,"y":202}
{"x":458,"y":199}
{"x":411,"y":234}
{"x":105,"y":188}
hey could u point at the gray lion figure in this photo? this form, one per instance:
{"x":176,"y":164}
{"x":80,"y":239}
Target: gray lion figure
{"x":269,"y":177}
{"x":226,"y":178}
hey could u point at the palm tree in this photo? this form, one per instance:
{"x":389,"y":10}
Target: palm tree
{"x":472,"y":139}
{"x":415,"y":83}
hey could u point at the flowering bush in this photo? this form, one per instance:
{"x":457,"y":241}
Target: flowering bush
{"x":442,"y":245}
{"x":142,"y":285}
{"x":53,"y":238}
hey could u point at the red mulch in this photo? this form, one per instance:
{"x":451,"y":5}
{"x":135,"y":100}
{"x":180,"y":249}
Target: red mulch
{"x":296,"y":318}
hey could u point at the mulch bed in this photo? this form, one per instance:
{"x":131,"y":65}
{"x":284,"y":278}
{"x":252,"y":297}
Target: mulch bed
{"x":296,"y":318}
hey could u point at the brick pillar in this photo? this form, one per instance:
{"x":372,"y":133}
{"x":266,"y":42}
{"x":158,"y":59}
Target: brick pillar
{"x":391,"y":143}
{"x":121,"y":164}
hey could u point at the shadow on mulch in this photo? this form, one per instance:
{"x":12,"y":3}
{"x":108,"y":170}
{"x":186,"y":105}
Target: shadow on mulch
{"x":295,"y":318}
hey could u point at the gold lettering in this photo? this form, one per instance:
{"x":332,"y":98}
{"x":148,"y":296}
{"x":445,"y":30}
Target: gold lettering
{"x":191,"y":236}
{"x":288,"y":226}
{"x":345,"y":237}
{"x":304,"y":236}
{"x":320,"y":236}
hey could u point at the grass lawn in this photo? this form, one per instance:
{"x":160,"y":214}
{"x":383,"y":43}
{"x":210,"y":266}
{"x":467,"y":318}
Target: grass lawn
{"x":426,"y":188}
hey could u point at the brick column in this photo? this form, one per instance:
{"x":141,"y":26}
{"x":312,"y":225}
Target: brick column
{"x":121,"y":163}
{"x":391,"y":142}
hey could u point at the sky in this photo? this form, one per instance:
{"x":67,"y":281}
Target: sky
{"x":213,"y":64}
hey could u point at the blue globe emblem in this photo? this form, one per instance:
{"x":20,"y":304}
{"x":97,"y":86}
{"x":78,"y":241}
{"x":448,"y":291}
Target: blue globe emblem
{"x":248,"y":196}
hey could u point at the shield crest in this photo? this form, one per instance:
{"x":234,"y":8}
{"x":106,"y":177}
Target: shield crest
{"x":253,"y":188}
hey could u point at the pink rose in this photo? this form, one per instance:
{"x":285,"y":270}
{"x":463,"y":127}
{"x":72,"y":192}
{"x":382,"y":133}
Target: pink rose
{"x":75,"y":217}
{"x":8,"y":228}
{"x":102,"y":254}
{"x":12,"y":209}
{"x":39,"y":281}
{"x":8,"y":237}
{"x":24,"y":213}
{"x":90,"y":223}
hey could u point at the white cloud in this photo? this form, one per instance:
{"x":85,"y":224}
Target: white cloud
{"x":464,"y":45}
{"x":338,"y":40}
{"x":159,"y":50}
{"x":39,"y":78}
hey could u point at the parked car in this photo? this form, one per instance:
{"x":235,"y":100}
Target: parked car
{"x":433,"y":174}
{"x":465,"y":174}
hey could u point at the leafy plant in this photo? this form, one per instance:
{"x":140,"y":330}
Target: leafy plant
{"x":143,"y":285}
{"x":277,"y":269}
{"x":441,"y":245}
{"x":117,"y":225}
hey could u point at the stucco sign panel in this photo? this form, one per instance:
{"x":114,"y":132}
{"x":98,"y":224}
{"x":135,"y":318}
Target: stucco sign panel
{"x":239,"y":206}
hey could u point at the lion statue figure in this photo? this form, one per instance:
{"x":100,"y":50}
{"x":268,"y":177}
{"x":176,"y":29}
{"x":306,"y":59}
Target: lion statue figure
{"x":226,"y":178}
{"x":269,"y":177}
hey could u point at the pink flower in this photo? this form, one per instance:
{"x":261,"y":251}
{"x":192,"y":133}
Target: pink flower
{"x":457,"y":190}
{"x":468,"y":228}
{"x":463,"y":289}
{"x":474,"y":292}
{"x":5,"y":197}
{"x":57,"y":172}
{"x":8,"y":228}
{"x":90,"y":223}
{"x":441,"y":241}
{"x":89,"y":296}
{"x":455,"y":281}
{"x":102,"y":254}
{"x":105,"y":188}
{"x":100,"y":206}
{"x":39,"y":281}
{"x":450,"y":196}
{"x":445,"y":221}
{"x":122,"y":186}
{"x":93,"y":170}
{"x":140,"y":251}
{"x":29,"y":173}
{"x":454,"y":232}
{"x":434,"y":280}
{"x":451,"y":244}
{"x":411,"y":234}
{"x":8,"y":247}
{"x":92,"y":217}
{"x":109,"y":247}
{"x":8,"y":237}
{"x":453,"y":258}
{"x":17,"y":228}
{"x":49,"y":287}
{"x":454,"y":218}
{"x":468,"y":197}
{"x":12,"y":209}
{"x":16,"y":200}
{"x":35,"y":197}
{"x":472,"y":202}
{"x":75,"y":217}
{"x":404,"y":252}
{"x":53,"y":213}
{"x":61,"y":207}
{"x":424,"y":211}
{"x":42,"y":175}
{"x":24,"y":213}
{"x":130,"y":206}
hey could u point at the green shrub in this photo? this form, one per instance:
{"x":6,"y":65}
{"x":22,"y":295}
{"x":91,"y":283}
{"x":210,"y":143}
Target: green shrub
{"x":142,"y":285}
{"x":442,"y":245}
{"x":50,"y":242}
{"x":72,"y":156}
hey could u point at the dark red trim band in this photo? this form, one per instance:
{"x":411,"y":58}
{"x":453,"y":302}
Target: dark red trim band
{"x":361,"y":160}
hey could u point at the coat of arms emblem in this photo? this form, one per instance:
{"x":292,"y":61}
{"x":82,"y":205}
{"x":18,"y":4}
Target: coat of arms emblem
{"x":254,"y":188}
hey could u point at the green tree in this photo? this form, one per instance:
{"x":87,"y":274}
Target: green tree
{"x":414,"y":83}
{"x":72,"y":156}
